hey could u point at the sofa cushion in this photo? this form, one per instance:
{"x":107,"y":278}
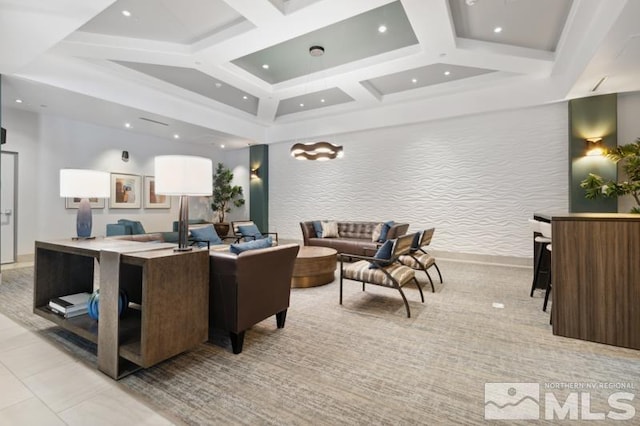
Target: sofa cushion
{"x":375,"y":235}
{"x":204,"y":234}
{"x":330,"y":229}
{"x":251,"y":245}
{"x":136,"y":226}
{"x":250,"y":232}
{"x":385,"y":230}
{"x":317,"y":226}
{"x":384,"y":252}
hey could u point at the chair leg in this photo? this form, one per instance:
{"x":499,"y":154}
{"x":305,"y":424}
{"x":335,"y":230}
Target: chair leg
{"x":433,"y":289}
{"x":362,"y":285}
{"x":237,"y":339}
{"x":546,"y":296}
{"x":536,"y":269}
{"x":281,"y":317}
{"x":420,"y":288}
{"x":406,"y":303}
{"x":341,"y":282}
{"x":439,"y":274}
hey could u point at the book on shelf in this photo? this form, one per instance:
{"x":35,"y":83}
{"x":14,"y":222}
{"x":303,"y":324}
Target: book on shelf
{"x":72,"y":314}
{"x":70,"y":304}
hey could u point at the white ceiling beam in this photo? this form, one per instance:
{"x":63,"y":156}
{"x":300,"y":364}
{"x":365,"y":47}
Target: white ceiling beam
{"x":37,"y":25}
{"x":480,"y":54}
{"x":432,"y":23}
{"x":267,"y":109}
{"x":258,"y":12}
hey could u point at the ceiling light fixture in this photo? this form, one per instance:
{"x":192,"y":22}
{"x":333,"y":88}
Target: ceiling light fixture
{"x":127,"y":125}
{"x":126,"y":13}
{"x":265,"y":66}
{"x":382,"y":29}
{"x":218,"y":85}
{"x":18,"y":101}
{"x":414,"y":80}
{"x":497,"y":30}
{"x":447,"y":73}
{"x":301,"y":105}
{"x":222,"y":146}
{"x":316,"y":51}
{"x":322,"y":100}
{"x":321,"y":151}
{"x":176,"y":136}
{"x":245,"y":97}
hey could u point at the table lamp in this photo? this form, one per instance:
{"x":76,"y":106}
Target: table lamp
{"x":185,"y":176}
{"x":84,"y":184}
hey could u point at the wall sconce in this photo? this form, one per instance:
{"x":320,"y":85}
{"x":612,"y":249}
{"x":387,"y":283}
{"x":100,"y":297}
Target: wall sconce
{"x":125,"y":156}
{"x":594,"y":146}
{"x":255,"y":173}
{"x":321,"y":151}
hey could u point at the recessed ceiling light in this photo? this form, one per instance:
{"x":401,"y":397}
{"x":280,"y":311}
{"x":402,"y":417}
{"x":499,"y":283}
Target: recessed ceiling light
{"x":18,"y":101}
{"x":126,"y":13}
{"x":447,"y":73}
{"x":218,"y":85}
{"x":414,"y":80}
{"x":222,"y":146}
{"x":127,"y":125}
{"x":176,"y":136}
{"x":322,"y":100}
{"x":245,"y":97}
{"x":382,"y":29}
{"x":301,"y":105}
{"x":265,"y":66}
{"x":497,"y":30}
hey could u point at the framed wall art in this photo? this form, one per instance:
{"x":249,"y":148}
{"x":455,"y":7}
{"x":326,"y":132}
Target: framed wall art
{"x":74,"y":203}
{"x":126,"y":191}
{"x":153,"y":200}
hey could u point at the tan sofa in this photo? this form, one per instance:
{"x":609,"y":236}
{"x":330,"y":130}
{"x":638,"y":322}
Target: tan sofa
{"x":354,"y":237}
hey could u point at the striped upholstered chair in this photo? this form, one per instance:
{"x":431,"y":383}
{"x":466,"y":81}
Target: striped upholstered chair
{"x":383,"y":271}
{"x":418,"y":258}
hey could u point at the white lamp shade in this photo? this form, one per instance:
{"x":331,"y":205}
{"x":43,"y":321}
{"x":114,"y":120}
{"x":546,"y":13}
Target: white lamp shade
{"x":183,"y":175}
{"x":81,"y":183}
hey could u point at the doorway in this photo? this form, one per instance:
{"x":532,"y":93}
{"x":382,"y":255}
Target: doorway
{"x":8,"y":203}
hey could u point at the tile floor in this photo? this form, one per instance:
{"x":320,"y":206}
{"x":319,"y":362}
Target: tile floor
{"x":40,"y":384}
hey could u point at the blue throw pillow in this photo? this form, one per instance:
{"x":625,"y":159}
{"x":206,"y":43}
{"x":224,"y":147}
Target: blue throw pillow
{"x":384,"y":252}
{"x":385,"y":230}
{"x":415,"y":245}
{"x":251,"y":245}
{"x":317,"y":226}
{"x":136,"y":226}
{"x":204,"y":234}
{"x":250,"y":232}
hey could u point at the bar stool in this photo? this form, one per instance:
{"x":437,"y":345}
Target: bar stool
{"x":542,"y":243}
{"x":545,"y":230}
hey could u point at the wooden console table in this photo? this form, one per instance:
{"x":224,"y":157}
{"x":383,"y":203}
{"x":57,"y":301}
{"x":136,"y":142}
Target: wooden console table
{"x":596,"y":278}
{"x":171,"y":290}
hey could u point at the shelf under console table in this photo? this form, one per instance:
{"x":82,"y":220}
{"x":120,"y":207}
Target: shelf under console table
{"x":170,"y":290}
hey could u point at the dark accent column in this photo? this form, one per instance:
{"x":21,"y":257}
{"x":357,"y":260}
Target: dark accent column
{"x":591,"y":117}
{"x":259,"y":187}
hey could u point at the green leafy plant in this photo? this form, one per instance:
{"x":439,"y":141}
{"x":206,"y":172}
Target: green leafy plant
{"x":629,"y":156}
{"x":225,"y":195}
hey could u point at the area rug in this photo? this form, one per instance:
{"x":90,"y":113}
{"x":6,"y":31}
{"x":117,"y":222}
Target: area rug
{"x":365,"y":362}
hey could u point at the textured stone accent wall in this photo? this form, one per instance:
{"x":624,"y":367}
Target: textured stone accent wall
{"x":477,"y":179}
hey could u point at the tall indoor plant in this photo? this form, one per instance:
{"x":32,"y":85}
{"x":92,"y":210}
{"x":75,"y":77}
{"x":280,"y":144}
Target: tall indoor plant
{"x":629,"y":156}
{"x":225,"y":195}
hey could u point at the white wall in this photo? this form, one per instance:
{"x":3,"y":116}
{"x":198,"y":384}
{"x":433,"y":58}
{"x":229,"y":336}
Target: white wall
{"x":628,"y":131}
{"x":477,"y":179}
{"x":45,"y":144}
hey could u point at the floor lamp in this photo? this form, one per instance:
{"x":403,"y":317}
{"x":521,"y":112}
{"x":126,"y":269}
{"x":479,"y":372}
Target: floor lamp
{"x":185,"y":176}
{"x":84,"y":184}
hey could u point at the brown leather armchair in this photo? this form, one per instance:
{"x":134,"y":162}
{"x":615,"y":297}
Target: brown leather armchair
{"x":248,"y":288}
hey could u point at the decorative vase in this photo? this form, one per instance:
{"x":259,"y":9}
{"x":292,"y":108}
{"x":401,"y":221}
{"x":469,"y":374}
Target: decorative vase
{"x":93,"y":305}
{"x":222,"y":228}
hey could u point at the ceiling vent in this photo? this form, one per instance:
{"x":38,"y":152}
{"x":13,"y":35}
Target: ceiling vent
{"x":153,"y":121}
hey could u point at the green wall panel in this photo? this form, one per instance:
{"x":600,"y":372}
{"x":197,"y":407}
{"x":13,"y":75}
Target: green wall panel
{"x":591,"y":117}
{"x":259,"y":187}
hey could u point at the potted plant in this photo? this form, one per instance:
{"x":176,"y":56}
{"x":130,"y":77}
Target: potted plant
{"x":595,"y":186}
{"x":224,"y":197}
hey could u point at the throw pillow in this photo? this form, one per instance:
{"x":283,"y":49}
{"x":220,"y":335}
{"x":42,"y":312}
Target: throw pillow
{"x":204,"y":234}
{"x":375,"y":235}
{"x":385,"y":230}
{"x":415,"y":245}
{"x":329,"y":229}
{"x":250,"y":232}
{"x":251,"y":245}
{"x":136,"y":226}
{"x":317,"y":226}
{"x":384,"y":252}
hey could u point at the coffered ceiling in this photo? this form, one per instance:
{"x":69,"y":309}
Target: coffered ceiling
{"x":242,"y":69}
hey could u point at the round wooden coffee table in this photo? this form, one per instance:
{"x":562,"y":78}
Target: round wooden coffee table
{"x":314,"y":266}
